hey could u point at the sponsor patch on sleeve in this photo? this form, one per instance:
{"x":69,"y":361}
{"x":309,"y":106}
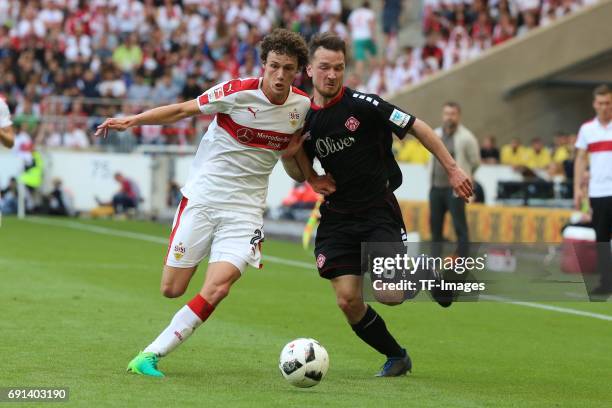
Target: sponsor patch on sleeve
{"x":399,"y":118}
{"x":216,"y":93}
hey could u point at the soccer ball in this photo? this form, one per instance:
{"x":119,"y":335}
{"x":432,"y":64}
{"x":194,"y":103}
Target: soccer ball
{"x":304,"y":362}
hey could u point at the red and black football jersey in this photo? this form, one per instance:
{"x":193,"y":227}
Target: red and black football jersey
{"x":352,"y":138}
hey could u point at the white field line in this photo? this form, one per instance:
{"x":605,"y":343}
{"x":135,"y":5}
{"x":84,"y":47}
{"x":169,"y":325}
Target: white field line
{"x":289,"y":262}
{"x":146,"y":237}
{"x":558,"y":309}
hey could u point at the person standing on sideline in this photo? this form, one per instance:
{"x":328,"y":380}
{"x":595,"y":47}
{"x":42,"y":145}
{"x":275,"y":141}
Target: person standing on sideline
{"x":463,"y":147}
{"x":362,"y":25}
{"x":595,"y":137}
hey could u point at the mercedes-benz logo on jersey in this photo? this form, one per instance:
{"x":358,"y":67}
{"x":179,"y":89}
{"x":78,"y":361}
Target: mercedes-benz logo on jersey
{"x":244,"y":135}
{"x":352,"y":124}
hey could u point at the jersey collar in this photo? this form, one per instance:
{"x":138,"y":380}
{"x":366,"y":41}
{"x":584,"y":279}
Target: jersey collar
{"x":334,"y":101}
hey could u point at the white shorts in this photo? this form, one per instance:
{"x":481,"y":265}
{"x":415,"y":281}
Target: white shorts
{"x":199,"y":231}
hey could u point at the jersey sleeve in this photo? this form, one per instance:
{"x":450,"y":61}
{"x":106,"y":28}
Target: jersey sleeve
{"x":5,"y":115}
{"x":221,"y":98}
{"x":397,"y":119}
{"x":581,"y":141}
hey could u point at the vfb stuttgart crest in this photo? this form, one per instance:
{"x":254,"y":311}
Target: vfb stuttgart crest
{"x":294,"y":117}
{"x":351,"y":124}
{"x":179,"y":251}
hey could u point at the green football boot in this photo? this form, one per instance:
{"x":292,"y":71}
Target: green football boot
{"x":145,"y":364}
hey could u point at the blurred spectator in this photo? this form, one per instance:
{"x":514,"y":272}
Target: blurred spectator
{"x":504,"y":29}
{"x":406,"y":68}
{"x":49,"y":135}
{"x":489,"y":153}
{"x":411,"y":150}
{"x":513,"y":154}
{"x":78,"y":46}
{"x":561,"y":150}
{"x":325,"y":8}
{"x":23,"y":145}
{"x":111,"y":86}
{"x":431,"y":50}
{"x":75,"y":137}
{"x":165,"y":90}
{"x":192,"y":89}
{"x":128,"y":56}
{"x":58,"y":201}
{"x":390,"y":24}
{"x":334,"y":25}
{"x":381,"y":79}
{"x":362,"y":24}
{"x":530,"y":21}
{"x":126,"y":198}
{"x":174,"y":194}
{"x":353,"y":81}
{"x":568,"y":165}
{"x":537,"y":156}
{"x":130,"y":15}
{"x":139,"y":90}
{"x":8,"y":198}
{"x":28,"y":115}
{"x":169,"y":17}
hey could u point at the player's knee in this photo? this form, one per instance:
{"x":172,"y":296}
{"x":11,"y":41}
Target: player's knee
{"x":350,"y":305}
{"x":171,"y":291}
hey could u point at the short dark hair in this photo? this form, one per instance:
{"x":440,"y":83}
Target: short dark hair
{"x":453,"y":104}
{"x":602,"y":90}
{"x":285,"y":42}
{"x":329,"y":41}
{"x":536,"y":140}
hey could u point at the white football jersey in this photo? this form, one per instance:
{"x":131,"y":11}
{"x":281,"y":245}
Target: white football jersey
{"x":242,"y":145}
{"x":596,"y":139}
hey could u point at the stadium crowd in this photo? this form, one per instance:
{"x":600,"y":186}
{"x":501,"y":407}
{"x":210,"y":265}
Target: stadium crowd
{"x":58,"y":57}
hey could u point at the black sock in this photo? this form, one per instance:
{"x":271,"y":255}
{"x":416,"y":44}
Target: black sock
{"x":373,"y":330}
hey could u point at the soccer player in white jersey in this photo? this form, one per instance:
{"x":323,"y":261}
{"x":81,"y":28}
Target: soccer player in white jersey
{"x":221,"y":214}
{"x":7,"y":136}
{"x":594,"y":147}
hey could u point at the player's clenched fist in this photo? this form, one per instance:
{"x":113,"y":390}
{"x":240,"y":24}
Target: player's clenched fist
{"x":324,"y":184}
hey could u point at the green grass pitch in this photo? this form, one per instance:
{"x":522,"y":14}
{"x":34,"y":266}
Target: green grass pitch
{"x":76,"y":305}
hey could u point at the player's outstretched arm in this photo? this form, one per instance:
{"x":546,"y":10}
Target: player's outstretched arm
{"x":162,"y":115}
{"x":7,"y":136}
{"x":461,"y":183}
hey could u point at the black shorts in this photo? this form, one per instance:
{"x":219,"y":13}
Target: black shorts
{"x":340,"y":234}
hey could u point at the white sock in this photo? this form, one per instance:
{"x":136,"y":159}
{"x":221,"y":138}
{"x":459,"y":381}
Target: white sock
{"x":184,"y":322}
